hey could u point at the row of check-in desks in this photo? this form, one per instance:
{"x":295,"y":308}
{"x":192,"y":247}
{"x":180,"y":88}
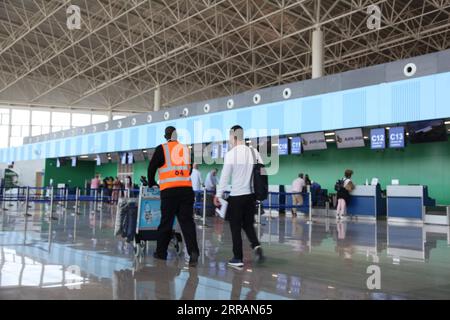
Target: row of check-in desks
{"x":399,"y":204}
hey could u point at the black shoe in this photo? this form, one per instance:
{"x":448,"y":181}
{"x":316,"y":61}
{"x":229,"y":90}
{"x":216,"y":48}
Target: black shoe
{"x":259,"y":254}
{"x":157,"y":256}
{"x":193,"y":260}
{"x":236,"y":263}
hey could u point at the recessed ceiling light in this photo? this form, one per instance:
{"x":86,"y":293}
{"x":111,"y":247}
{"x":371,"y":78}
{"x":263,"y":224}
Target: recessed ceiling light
{"x":330,"y":140}
{"x":329,"y":134}
{"x":84,"y":157}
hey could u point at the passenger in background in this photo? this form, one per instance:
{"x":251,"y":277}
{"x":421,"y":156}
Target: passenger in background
{"x":211,"y":180}
{"x":307,"y":181}
{"x":116,"y":190}
{"x":105,"y":189}
{"x":128,"y":186}
{"x":344,"y":187}
{"x":95,"y":185}
{"x":110,"y":183}
{"x":196,"y":179}
{"x":297,"y":198}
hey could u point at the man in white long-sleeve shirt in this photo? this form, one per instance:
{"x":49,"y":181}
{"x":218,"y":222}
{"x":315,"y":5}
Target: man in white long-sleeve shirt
{"x":238,"y":166}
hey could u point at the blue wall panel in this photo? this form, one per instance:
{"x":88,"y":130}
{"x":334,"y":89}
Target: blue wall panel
{"x":386,"y":103}
{"x":406,"y":102}
{"x":354,"y":109}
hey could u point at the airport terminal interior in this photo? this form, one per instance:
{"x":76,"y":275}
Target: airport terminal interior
{"x":322,"y":89}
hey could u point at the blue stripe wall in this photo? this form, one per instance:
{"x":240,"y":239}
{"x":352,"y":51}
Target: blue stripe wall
{"x":386,"y":103}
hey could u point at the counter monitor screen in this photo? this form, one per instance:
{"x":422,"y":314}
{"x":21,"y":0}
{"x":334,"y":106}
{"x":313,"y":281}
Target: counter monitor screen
{"x":296,"y":145}
{"x":427,"y":131}
{"x":377,"y":139}
{"x":397,"y":137}
{"x":283,"y":147}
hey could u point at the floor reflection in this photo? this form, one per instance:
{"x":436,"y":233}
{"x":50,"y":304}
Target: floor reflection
{"x":78,"y":257}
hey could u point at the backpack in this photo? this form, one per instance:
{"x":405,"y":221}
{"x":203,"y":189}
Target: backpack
{"x":339,"y":185}
{"x":260,"y":179}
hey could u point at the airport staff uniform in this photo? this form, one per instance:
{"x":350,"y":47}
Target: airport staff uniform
{"x":172,"y":161}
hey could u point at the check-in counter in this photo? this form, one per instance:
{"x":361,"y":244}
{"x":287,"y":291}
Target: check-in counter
{"x":407,"y":203}
{"x":366,"y":201}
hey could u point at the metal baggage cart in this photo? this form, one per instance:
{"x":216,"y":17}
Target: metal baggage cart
{"x":148,"y":219}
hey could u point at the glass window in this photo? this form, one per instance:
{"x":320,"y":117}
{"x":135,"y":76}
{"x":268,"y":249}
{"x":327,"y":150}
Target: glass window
{"x":60,"y":119}
{"x":16,"y":131}
{"x":41,"y":118}
{"x":20,"y":117}
{"x":36,"y":130}
{"x":56,"y":129}
{"x":5,"y":119}
{"x":3,"y":133}
{"x":99,"y":118}
{"x":45,"y":129}
{"x":4,"y":116}
{"x":81,"y":119}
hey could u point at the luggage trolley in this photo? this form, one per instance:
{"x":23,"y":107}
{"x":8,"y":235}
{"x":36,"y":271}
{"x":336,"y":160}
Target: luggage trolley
{"x":148,"y":219}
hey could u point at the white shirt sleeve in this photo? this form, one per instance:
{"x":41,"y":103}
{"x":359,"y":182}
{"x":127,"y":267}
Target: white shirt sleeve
{"x":225,"y":176}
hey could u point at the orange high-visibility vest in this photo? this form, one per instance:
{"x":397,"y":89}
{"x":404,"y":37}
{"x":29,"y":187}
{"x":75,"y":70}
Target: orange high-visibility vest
{"x":175,"y":172}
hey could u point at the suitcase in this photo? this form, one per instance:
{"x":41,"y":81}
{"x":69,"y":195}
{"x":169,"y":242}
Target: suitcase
{"x":148,"y":218}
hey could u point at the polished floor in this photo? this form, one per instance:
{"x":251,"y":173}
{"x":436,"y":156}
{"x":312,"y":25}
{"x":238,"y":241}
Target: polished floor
{"x":78,"y":257}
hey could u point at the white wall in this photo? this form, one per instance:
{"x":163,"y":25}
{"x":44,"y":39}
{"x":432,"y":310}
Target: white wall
{"x":26,"y":171}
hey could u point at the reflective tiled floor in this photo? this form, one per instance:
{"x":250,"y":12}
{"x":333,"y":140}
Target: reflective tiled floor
{"x":78,"y":257}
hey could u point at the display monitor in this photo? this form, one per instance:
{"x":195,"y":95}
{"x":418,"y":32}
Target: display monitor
{"x":378,"y":138}
{"x":314,"y":141}
{"x":427,"y":131}
{"x":224,"y":149}
{"x":283,"y":147}
{"x":215,"y":151}
{"x":397,"y":137}
{"x":296,"y":145}
{"x":352,"y":138}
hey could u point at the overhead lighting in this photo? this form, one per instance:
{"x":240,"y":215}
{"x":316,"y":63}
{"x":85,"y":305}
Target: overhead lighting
{"x":248,"y":141}
{"x":330,"y":140}
{"x":388,"y":128}
{"x":144,"y":151}
{"x":290,"y":138}
{"x":109,"y":158}
{"x":275,"y":145}
{"x":190,"y":147}
{"x":329,"y":134}
{"x":366,"y":137}
{"x":447,"y":122}
{"x":84,"y":157}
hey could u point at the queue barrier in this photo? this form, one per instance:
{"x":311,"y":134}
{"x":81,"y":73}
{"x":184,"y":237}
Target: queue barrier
{"x":67,"y":194}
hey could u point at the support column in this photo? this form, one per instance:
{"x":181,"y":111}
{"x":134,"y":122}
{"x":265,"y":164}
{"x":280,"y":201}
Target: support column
{"x":317,"y":53}
{"x":110,"y":116}
{"x":157,"y":99}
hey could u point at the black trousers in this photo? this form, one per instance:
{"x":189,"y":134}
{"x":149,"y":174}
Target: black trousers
{"x":178,"y":205}
{"x":241,"y":215}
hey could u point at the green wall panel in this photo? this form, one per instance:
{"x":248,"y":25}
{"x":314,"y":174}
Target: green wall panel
{"x":426,"y":164}
{"x":140,"y":169}
{"x":74,"y":176}
{"x":107,"y":170}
